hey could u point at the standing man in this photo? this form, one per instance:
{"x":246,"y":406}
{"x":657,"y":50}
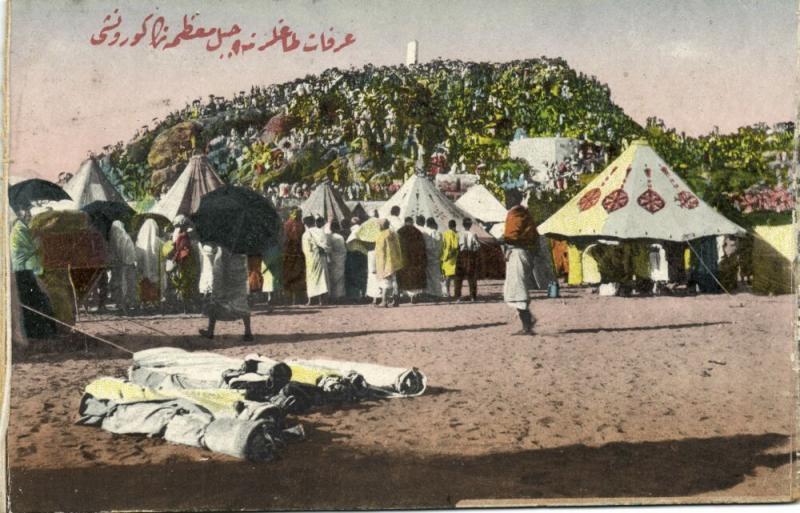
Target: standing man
{"x":411,"y":278}
{"x":315,"y":249}
{"x":449,"y":254}
{"x":229,"y":293}
{"x":337,"y":258}
{"x":123,"y":273}
{"x":355,"y":273}
{"x":467,"y":261}
{"x":294,"y":265}
{"x":388,"y":260}
{"x":520,"y":239}
{"x":185,"y":275}
{"x":433,"y":252}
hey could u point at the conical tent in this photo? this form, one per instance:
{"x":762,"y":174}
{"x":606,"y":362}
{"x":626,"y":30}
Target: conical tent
{"x":197,"y":180}
{"x":638,"y":197}
{"x":90,"y":184}
{"x":327,"y":203}
{"x":419,"y":196}
{"x":481,"y":204}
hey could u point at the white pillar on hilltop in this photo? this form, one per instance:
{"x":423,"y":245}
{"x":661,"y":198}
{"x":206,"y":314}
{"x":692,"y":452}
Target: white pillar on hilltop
{"x":411,"y":53}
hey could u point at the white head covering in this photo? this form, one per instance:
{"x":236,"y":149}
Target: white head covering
{"x":148,"y":249}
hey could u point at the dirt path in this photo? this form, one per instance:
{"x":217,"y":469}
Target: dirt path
{"x":614,"y":398}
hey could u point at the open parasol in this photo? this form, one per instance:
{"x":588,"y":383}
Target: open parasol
{"x":25,"y":194}
{"x":239,"y":219}
{"x":103,"y":213}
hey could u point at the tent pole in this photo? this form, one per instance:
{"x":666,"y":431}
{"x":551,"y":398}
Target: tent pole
{"x":706,"y":268}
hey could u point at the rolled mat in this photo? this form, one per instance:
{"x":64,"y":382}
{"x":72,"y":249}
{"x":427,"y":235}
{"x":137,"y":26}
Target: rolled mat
{"x":220,"y":402}
{"x":278,"y":372}
{"x":246,"y":439}
{"x":388,"y":381}
{"x":170,"y":367}
{"x":308,"y":373}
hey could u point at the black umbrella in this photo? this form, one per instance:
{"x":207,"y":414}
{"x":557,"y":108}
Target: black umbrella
{"x":237,"y":218}
{"x":23,"y":195}
{"x":138,"y":220}
{"x":103,"y":213}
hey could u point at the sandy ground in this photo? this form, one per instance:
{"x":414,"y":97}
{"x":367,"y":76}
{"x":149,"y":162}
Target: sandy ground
{"x":615,"y":397}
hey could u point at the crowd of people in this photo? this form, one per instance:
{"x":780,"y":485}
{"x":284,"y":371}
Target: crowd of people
{"x":408,"y":258}
{"x":316,"y":261}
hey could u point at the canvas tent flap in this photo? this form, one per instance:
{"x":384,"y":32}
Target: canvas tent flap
{"x":90,"y":184}
{"x":773,"y":254}
{"x":481,"y":204}
{"x":197,"y":180}
{"x":327,"y":203}
{"x":419,"y":196}
{"x":638,"y":197}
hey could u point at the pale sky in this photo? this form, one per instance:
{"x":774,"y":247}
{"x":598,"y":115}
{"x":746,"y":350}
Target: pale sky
{"x":696,"y":64}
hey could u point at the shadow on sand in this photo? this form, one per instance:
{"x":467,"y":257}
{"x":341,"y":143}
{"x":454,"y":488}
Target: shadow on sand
{"x":83,"y":347}
{"x":323,"y":473}
{"x":648,"y":328}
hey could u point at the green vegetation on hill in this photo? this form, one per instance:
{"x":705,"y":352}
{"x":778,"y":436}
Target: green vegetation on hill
{"x":375,"y":124}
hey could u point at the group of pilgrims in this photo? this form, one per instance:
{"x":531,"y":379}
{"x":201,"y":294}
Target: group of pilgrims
{"x":409,"y":258}
{"x":157,"y":270}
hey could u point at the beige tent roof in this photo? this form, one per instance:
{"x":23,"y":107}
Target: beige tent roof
{"x":638,"y":197}
{"x":197,"y":180}
{"x":419,"y":196}
{"x":90,"y":184}
{"x":327,"y":203}
{"x":481,"y":204}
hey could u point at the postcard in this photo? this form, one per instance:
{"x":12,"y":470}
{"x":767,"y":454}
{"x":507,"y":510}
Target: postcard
{"x":344,"y":254}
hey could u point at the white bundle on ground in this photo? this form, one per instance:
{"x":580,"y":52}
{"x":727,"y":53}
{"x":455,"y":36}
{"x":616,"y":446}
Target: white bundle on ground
{"x":171,"y":367}
{"x":388,"y":381}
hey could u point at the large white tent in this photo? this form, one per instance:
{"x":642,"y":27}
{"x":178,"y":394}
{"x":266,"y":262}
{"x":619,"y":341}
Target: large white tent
{"x":419,"y":196}
{"x":638,"y":197}
{"x":197,"y":180}
{"x":90,"y":184}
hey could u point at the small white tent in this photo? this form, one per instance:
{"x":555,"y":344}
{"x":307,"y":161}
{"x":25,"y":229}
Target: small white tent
{"x":481,"y":204}
{"x":90,"y":184}
{"x":327,"y":203}
{"x":197,"y":180}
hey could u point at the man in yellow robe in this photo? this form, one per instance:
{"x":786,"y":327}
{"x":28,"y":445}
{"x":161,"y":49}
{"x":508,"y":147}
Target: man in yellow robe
{"x":449,"y":254}
{"x":388,"y":260}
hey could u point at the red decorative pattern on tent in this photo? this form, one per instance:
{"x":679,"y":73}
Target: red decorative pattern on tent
{"x":589,"y":199}
{"x":651,"y":201}
{"x":615,"y":200}
{"x":669,"y":177}
{"x":687,"y":200}
{"x":609,"y":175}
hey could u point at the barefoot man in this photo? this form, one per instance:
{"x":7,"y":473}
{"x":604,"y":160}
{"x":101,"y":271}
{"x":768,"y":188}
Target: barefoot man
{"x":520,"y":239}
